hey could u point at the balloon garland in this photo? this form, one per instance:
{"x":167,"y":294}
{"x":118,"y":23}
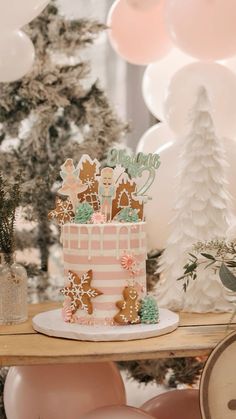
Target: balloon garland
{"x":191,"y":30}
{"x":203,"y":29}
{"x":172,"y":79}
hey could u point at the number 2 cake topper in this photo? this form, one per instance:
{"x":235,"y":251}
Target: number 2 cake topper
{"x":135,"y":166}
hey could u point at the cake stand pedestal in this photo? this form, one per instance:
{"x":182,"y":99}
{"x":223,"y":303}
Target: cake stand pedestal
{"x":50,"y":323}
{"x":196,"y":335}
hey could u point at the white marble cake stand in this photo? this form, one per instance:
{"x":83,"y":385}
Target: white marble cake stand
{"x":50,"y":323}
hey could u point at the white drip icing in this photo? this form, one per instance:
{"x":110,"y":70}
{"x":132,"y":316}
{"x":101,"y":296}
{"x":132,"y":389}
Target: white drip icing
{"x":79,"y":237}
{"x":129,"y":237}
{"x":118,"y":228}
{"x":69,"y":236}
{"x":140,"y":237}
{"x":102,"y":239}
{"x":118,"y":238}
{"x":100,"y":234}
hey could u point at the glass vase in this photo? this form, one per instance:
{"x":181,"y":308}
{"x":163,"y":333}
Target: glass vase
{"x":13,"y":292}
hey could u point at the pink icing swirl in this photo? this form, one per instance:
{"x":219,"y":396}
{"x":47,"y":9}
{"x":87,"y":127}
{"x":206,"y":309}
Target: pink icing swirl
{"x":130,"y":263}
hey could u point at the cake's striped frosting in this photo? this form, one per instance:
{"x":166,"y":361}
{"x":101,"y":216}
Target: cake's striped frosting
{"x":100,"y":247}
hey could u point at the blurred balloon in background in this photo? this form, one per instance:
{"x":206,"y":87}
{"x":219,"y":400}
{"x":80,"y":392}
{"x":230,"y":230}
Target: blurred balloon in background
{"x":61,"y":391}
{"x":142,"y":5}
{"x":176,"y":404}
{"x":139,"y":37}
{"x":161,"y":140}
{"x":220,"y":83}
{"x":16,"y":49}
{"x":155,"y":139}
{"x":157,"y":77}
{"x":204,"y":29}
{"x":16,"y":55}
{"x":14,"y":13}
{"x":118,"y":412}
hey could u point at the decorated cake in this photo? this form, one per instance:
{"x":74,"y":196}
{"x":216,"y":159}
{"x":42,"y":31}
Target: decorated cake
{"x":100,"y":211}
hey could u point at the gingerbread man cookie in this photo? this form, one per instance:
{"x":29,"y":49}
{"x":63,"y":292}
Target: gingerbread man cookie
{"x":128,"y":308}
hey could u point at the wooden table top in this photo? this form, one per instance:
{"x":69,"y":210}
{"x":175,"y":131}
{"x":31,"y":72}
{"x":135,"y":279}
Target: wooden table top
{"x":197,"y":335}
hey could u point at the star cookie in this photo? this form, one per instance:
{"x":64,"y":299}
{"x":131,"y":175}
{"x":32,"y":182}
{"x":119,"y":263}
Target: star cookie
{"x":80,"y":291}
{"x":63,"y":213}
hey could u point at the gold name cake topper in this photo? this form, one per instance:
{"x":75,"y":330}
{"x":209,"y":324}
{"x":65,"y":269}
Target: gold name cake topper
{"x":91,"y":194}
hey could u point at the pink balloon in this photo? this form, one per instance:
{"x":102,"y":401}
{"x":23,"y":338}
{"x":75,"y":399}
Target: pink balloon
{"x":139,"y":36}
{"x":177,"y":404}
{"x":205,"y":29}
{"x":142,"y":5}
{"x":61,"y":391}
{"x":118,"y":412}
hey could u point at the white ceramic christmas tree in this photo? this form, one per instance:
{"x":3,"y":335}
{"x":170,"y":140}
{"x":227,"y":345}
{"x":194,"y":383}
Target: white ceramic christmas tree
{"x":202,"y":212}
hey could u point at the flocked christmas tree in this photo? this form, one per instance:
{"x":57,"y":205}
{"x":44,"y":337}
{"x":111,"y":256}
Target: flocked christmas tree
{"x":202,"y":212}
{"x":64,"y":114}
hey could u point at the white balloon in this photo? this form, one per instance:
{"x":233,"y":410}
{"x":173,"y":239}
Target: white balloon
{"x":220,"y":84}
{"x":16,"y":56}
{"x":157,"y":77}
{"x":156,"y":139}
{"x":16,"y":13}
{"x":231,"y":64}
{"x":159,"y":139}
{"x":159,"y":210}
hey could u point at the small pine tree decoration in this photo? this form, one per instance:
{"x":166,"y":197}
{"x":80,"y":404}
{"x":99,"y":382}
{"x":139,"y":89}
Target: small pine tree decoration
{"x":83,"y":213}
{"x":149,"y":312}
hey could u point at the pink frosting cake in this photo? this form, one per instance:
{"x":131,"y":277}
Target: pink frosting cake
{"x":106,"y":250}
